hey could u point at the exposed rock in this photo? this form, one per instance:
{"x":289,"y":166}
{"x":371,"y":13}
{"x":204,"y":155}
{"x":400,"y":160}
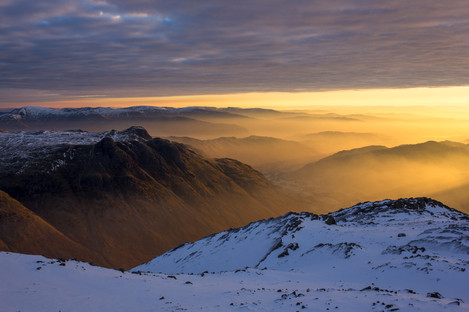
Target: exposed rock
{"x":435,"y":294}
{"x":298,"y":241}
{"x":329,"y":220}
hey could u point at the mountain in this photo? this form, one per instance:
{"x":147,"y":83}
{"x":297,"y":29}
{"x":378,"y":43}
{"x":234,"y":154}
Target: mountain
{"x":252,"y":111}
{"x":160,"y":121}
{"x":392,"y":255}
{"x":106,"y":191}
{"x":266,"y":154}
{"x":21,"y":230}
{"x":30,"y":113}
{"x":310,"y":242}
{"x":375,"y":172}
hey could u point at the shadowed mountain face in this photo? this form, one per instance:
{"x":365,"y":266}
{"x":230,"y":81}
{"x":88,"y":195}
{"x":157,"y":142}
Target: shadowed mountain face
{"x":21,"y":230}
{"x":438,"y":169}
{"x":131,"y":199}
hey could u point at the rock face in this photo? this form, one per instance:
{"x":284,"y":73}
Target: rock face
{"x":128,"y":197}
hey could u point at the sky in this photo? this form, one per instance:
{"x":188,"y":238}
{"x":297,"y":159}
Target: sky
{"x":80,"y":52}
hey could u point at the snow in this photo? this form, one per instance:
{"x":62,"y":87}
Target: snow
{"x":35,"y":111}
{"x":75,"y":286}
{"x":408,"y":255}
{"x":44,"y":113}
{"x":19,"y":150}
{"x":49,"y":137}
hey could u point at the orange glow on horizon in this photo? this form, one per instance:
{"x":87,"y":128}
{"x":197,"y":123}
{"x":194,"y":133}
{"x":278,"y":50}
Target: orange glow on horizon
{"x":442,"y":96}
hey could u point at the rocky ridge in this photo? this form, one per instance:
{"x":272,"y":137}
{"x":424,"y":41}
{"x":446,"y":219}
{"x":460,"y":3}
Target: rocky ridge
{"x":108,"y":190}
{"x":419,"y":233}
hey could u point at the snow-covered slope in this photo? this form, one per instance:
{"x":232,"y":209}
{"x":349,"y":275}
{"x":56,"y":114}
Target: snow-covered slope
{"x":19,"y":150}
{"x":33,"y":139}
{"x":43,"y":113}
{"x":386,"y":229}
{"x":404,"y":244}
{"x":404,"y":255}
{"x":34,"y":283}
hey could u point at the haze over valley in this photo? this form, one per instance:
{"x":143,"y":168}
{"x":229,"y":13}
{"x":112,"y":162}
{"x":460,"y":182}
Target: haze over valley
{"x":234,"y":155}
{"x":330,"y":159}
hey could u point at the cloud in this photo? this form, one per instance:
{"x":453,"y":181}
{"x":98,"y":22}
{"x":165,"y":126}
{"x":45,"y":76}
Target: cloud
{"x":129,"y":48}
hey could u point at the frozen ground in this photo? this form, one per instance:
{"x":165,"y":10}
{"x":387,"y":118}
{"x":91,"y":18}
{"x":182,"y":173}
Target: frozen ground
{"x":33,"y":283}
{"x":406,"y":255}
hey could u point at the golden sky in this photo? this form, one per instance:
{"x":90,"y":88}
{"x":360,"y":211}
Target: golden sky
{"x":442,"y":96}
{"x":294,"y":53}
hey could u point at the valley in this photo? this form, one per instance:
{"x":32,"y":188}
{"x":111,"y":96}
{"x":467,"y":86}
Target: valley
{"x":234,"y":156}
{"x":250,"y":220}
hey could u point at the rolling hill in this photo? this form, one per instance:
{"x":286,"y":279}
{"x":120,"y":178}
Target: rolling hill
{"x":375,"y":172}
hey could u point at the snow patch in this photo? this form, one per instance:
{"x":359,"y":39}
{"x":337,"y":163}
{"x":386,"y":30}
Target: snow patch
{"x":20,"y":150}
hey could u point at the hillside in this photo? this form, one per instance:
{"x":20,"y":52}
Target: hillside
{"x":375,"y":172}
{"x":21,"y":230}
{"x":392,"y":255}
{"x":310,"y":242}
{"x":108,"y":190}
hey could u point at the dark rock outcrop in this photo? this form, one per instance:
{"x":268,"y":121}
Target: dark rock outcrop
{"x":132,"y":200}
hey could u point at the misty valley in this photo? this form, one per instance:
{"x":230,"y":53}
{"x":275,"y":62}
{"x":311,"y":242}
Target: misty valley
{"x":217,"y":196}
{"x":234,"y":156}
{"x":333,"y":158}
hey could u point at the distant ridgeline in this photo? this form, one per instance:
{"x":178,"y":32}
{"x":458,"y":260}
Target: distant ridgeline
{"x":161,"y":121}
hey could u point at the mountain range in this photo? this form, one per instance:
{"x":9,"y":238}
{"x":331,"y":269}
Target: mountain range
{"x":124,"y":196}
{"x":175,"y":212}
{"x":160,"y":121}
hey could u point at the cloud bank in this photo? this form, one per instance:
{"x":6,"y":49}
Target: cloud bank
{"x":158,"y":48}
